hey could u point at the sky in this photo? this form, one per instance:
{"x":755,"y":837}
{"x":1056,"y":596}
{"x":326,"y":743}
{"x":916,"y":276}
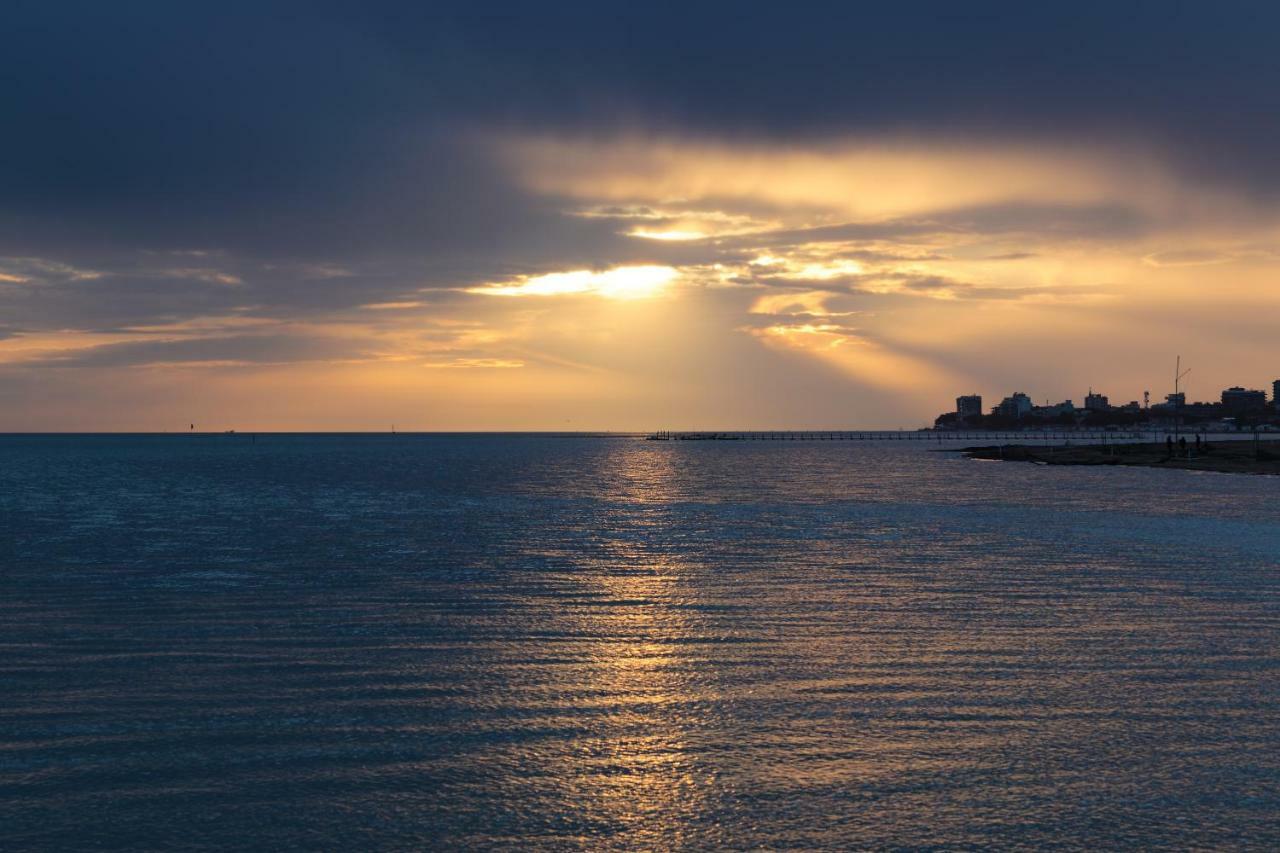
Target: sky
{"x":607,"y":216}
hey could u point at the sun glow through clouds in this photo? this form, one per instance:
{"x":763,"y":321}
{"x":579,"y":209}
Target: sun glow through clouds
{"x":639,"y":282}
{"x":649,"y":234}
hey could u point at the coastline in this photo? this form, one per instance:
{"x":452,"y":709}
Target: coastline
{"x":1230,"y":457}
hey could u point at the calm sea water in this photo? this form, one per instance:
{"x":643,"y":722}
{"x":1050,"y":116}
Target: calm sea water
{"x":520,"y":642}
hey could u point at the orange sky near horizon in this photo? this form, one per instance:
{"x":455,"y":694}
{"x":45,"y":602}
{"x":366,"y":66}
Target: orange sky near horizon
{"x":845,"y":284}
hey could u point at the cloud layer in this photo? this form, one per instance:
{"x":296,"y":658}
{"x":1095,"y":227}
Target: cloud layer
{"x":305,"y":214}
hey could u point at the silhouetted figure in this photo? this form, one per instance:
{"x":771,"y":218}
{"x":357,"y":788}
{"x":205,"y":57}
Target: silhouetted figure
{"x":1197,"y":442}
{"x":1168,"y":445}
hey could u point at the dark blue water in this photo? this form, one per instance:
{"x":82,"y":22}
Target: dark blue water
{"x":333,"y":642}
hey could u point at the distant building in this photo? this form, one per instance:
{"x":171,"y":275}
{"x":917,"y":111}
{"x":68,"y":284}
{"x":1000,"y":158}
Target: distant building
{"x":1241,"y":401}
{"x":969,"y":406}
{"x":1066,"y":407}
{"x":1016,"y":406}
{"x":1096,"y":402}
{"x":1176,"y":405}
{"x":1275,"y":392}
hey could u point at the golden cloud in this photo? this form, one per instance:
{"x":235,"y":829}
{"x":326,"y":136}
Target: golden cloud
{"x":857,"y":179}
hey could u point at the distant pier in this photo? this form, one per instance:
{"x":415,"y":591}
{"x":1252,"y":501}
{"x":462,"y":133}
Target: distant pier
{"x":896,"y":435}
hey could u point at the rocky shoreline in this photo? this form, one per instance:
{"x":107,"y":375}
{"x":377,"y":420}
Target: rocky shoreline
{"x":1235,"y":457}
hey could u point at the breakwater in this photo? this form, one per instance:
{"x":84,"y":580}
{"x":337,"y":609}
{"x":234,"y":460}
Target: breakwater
{"x":1239,"y":457}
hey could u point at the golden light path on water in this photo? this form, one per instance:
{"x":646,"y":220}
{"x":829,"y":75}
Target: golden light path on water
{"x":641,"y":657}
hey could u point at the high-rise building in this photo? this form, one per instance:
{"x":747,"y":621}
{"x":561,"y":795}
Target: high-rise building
{"x":1015,"y":405}
{"x":1275,"y":393}
{"x":1242,"y":401}
{"x":969,"y":406}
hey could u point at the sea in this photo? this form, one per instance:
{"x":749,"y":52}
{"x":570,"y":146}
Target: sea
{"x":536,"y":642}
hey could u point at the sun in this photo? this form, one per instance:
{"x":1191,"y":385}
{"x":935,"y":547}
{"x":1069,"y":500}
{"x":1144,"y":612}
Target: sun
{"x":638,"y":282}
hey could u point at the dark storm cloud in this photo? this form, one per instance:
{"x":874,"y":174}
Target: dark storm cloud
{"x":108,"y":301}
{"x":293,"y":135}
{"x":285,"y":123}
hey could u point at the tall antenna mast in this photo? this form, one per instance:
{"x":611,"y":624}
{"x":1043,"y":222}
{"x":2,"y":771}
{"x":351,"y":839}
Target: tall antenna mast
{"x":1178,"y":375}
